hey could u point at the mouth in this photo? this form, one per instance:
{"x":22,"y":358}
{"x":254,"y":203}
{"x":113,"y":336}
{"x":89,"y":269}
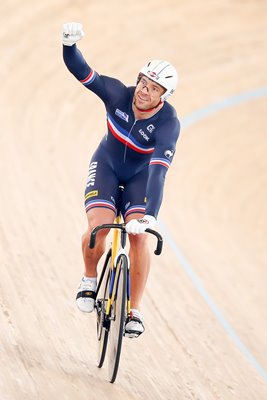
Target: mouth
{"x":141,"y":98}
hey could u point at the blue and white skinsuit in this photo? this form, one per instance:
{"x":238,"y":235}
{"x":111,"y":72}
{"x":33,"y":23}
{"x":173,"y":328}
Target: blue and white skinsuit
{"x":134,"y":153}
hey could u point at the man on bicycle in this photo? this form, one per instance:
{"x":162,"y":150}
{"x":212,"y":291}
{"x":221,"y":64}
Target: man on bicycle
{"x":136,"y":152}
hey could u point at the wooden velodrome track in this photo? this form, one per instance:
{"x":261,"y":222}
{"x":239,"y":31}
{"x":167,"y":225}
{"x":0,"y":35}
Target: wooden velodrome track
{"x":206,"y":301}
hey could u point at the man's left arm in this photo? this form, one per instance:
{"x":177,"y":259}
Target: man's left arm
{"x":158,"y":167}
{"x":159,"y":164}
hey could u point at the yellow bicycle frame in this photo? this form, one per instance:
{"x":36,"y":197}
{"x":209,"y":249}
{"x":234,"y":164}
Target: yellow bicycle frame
{"x":114,"y":251}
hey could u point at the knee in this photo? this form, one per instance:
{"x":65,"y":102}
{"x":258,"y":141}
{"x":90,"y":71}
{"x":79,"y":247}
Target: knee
{"x":138,"y":241}
{"x":86,"y":237}
{"x":100,"y":236}
{"x":85,"y":240}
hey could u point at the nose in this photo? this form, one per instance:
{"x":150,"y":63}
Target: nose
{"x":145,"y":88}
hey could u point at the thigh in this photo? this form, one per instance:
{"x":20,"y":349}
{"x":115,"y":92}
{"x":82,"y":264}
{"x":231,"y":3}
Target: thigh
{"x":134,"y":195}
{"x":102,"y":184}
{"x":99,"y":216}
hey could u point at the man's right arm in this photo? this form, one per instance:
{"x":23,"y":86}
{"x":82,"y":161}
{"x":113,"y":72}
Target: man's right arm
{"x":108,"y":89}
{"x":72,"y":33}
{"x":75,"y":62}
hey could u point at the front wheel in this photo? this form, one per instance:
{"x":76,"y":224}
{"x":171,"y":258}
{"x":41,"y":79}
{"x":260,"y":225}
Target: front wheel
{"x":117,"y":319}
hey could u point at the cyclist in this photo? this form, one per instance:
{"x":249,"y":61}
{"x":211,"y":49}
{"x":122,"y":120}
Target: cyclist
{"x":136,"y":152}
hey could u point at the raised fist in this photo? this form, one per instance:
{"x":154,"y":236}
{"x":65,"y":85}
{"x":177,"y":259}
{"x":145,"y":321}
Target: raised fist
{"x":72,"y":32}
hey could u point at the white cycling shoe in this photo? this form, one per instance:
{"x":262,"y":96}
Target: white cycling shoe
{"x":86,"y":295}
{"x":134,"y":325}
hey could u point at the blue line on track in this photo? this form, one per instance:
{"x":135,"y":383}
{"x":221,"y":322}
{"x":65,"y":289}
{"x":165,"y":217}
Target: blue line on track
{"x":220,"y":105}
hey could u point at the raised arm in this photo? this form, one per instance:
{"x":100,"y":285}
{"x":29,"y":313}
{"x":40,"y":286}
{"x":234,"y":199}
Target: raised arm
{"x":108,"y":89}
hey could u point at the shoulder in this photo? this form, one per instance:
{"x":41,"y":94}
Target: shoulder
{"x":169,"y":114}
{"x":116,"y":89}
{"x":113,"y":83}
{"x":169,"y":122}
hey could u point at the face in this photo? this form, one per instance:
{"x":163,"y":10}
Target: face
{"x":147,"y":93}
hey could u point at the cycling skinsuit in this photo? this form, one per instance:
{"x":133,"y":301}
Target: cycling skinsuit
{"x":134,"y":153}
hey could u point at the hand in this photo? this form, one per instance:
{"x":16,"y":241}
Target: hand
{"x":72,"y":32}
{"x":136,"y":226}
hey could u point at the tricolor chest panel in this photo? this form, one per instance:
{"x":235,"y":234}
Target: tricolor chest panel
{"x":138,"y":135}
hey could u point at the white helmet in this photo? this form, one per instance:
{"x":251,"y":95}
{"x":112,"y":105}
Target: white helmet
{"x":163,"y":73}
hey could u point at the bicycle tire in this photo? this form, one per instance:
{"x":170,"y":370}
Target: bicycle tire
{"x":102,"y":325}
{"x":117,"y":322}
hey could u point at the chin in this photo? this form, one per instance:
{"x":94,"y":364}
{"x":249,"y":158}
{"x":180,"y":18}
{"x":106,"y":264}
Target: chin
{"x":142,"y":105}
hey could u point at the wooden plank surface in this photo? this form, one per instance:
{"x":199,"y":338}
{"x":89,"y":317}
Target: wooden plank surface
{"x":205,"y":304}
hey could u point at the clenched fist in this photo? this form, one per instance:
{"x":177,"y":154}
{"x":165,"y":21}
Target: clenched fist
{"x":72,"y":32}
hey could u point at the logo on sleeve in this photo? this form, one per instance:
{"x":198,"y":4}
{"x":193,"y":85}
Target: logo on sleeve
{"x":91,"y":194}
{"x":91,"y":174}
{"x":169,"y":154}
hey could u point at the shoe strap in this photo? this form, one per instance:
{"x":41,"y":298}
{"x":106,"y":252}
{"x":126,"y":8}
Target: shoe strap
{"x":131,"y":332}
{"x":86,"y":294}
{"x":135,"y":319}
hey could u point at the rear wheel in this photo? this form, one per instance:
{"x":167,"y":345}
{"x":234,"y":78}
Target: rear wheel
{"x":117,"y":320}
{"x":102,"y":322}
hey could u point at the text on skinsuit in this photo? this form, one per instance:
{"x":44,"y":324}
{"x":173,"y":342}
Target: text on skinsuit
{"x":142,"y":133}
{"x":91,"y":174}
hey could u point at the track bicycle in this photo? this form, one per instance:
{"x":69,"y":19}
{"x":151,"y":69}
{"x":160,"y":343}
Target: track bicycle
{"x":113,"y":295}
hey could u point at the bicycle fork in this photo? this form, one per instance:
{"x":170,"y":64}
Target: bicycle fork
{"x":114,"y":282}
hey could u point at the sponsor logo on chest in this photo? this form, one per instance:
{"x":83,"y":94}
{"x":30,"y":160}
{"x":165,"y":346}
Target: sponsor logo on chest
{"x":122,"y":115}
{"x":150,"y":129}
